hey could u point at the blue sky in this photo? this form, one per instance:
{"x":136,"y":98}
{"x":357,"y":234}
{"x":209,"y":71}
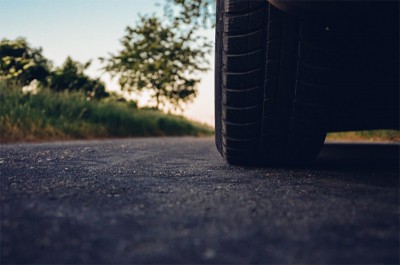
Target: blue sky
{"x":85,"y":30}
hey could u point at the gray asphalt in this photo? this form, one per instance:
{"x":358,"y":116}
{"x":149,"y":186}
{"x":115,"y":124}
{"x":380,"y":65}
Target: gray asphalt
{"x":174,"y":200}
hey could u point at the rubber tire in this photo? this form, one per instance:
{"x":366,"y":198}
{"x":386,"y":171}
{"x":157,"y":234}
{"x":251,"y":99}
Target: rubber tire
{"x":270,"y":104}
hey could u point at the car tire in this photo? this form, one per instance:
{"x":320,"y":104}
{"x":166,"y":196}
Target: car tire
{"x":270,"y":85}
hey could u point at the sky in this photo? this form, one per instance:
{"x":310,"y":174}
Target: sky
{"x":87,"y":30}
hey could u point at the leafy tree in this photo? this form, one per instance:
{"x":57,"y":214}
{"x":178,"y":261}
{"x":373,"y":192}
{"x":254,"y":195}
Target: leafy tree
{"x":194,"y":12}
{"x":22,"y":63}
{"x":162,"y":59}
{"x":70,"y":76}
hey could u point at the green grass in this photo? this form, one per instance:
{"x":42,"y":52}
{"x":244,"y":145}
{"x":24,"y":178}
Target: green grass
{"x":57,"y":116}
{"x":372,"y":136}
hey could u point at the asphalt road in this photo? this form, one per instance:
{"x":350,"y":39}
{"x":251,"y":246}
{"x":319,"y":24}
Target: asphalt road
{"x":174,"y":200}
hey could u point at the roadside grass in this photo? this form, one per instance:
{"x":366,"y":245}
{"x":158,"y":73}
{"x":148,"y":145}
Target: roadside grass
{"x":372,"y":136}
{"x":48,"y":115}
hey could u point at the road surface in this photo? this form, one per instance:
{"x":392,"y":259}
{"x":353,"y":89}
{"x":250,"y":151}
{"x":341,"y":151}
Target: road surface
{"x":174,"y":200}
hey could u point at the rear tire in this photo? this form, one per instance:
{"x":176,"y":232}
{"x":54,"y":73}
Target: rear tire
{"x":270,"y":85}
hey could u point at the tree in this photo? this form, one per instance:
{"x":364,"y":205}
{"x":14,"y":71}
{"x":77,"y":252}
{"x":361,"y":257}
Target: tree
{"x":70,"y":76}
{"x":192,"y":12}
{"x":162,"y":59}
{"x":22,"y":63}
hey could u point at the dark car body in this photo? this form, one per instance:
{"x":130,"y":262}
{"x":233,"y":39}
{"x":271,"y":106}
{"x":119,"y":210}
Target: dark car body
{"x":364,"y":91}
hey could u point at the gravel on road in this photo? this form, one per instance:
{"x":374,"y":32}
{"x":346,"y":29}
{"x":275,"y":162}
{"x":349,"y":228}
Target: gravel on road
{"x":175,"y":200}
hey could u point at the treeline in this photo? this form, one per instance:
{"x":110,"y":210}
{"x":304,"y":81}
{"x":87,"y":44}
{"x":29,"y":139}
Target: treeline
{"x":161,"y":56}
{"x":23,"y":64}
{"x":42,"y":102}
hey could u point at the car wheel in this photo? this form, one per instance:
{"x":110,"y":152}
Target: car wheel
{"x":270,"y":85}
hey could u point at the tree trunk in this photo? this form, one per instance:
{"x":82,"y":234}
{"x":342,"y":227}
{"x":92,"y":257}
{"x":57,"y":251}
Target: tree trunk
{"x":158,"y":100}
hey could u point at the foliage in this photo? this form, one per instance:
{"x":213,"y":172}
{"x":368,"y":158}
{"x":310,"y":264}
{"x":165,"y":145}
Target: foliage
{"x":48,"y":115}
{"x":160,"y":58}
{"x":70,"y":76}
{"x":193,"y":12}
{"x":117,"y":97}
{"x":22,"y":63}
